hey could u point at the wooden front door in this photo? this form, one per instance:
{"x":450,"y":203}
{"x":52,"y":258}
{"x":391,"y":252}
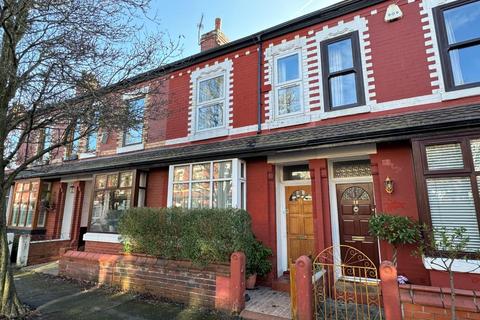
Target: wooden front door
{"x":355,"y":207}
{"x":299,"y":212}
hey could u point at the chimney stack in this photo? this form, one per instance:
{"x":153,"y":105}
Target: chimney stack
{"x":214,"y":38}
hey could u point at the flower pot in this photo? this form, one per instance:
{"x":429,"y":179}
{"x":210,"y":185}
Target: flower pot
{"x":251,"y":280}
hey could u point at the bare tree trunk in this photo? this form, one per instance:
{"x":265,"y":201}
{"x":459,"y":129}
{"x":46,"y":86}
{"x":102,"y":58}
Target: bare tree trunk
{"x":452,"y":294}
{"x":10,"y":305}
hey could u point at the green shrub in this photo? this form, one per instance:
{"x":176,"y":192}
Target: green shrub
{"x":396,"y":230}
{"x":202,"y":236}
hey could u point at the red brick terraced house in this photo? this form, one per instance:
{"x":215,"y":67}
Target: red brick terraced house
{"x":300,"y":124}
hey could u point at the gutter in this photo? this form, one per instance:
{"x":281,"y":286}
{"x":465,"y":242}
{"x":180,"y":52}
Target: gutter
{"x":259,"y":79}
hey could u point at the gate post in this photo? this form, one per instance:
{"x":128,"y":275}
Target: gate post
{"x":304,"y":288}
{"x":390,"y":292}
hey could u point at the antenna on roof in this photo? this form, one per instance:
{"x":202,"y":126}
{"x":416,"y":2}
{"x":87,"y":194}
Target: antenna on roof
{"x":200,"y":28}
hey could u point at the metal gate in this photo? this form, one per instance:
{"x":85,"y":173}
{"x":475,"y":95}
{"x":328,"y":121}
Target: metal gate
{"x":346,"y":285}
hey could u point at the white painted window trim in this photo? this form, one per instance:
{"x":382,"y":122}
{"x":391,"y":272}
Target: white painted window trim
{"x":86,"y":155}
{"x":272,"y":54}
{"x":218,"y":69}
{"x":102,"y":237}
{"x":236,"y":181}
{"x":464,"y":266}
{"x":358,"y":24}
{"x":428,"y":6}
{"x":130,"y":148}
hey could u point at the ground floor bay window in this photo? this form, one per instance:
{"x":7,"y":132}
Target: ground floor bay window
{"x":449,"y":184}
{"x":113,"y":194}
{"x":212,"y":184}
{"x":29,"y":204}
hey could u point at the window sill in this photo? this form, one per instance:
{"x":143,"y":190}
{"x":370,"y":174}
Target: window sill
{"x":86,"y":155}
{"x":102,"y":237}
{"x":345,"y":112}
{"x":465,"y":266}
{"x":461,"y":93}
{"x":133,"y":147}
{"x":209,"y":134}
{"x":287,"y":121}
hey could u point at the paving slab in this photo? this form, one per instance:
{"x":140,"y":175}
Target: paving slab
{"x":55,"y":298}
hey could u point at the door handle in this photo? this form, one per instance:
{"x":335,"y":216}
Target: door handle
{"x":358,"y":238}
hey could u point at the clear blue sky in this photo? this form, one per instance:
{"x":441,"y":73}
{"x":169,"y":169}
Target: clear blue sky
{"x":240,"y":18}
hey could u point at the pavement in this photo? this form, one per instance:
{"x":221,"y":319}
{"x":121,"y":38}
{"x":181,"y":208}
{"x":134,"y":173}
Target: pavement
{"x":56,"y":298}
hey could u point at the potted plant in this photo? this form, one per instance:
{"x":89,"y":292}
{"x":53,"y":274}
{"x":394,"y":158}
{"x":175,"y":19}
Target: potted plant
{"x":396,"y":230}
{"x":258,"y":263}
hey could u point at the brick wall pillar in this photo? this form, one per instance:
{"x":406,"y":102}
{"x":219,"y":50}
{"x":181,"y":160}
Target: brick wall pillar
{"x":390,"y":291}
{"x":77,"y":212}
{"x":304,"y":288}
{"x":237,"y":281}
{"x":59,"y":210}
{"x":321,"y":203}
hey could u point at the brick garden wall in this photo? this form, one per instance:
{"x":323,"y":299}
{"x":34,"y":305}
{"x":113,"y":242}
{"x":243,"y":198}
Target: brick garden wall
{"x":46,"y":251}
{"x":425,"y":302}
{"x":215,"y":286}
{"x":103,"y":247}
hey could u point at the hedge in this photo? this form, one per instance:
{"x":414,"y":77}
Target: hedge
{"x":203,"y":236}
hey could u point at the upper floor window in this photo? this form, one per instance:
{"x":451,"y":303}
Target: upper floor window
{"x":45,"y":143}
{"x":211,"y":103}
{"x":134,"y":135}
{"x":91,"y":142}
{"x":459,"y":43}
{"x":342,"y":72}
{"x":214,"y":184}
{"x":288,"y":85}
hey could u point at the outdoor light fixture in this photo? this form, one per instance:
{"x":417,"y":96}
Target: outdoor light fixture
{"x":72,"y":189}
{"x":388,"y":185}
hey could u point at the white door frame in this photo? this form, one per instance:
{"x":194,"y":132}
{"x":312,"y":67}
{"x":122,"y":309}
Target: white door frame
{"x":333,"y":200}
{"x":281,"y":216}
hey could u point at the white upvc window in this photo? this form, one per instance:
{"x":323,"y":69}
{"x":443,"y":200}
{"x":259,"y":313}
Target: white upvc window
{"x":211,"y":103}
{"x":288,"y":84}
{"x":212,"y":184}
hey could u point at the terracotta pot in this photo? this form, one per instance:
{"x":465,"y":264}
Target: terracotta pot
{"x":251,"y":280}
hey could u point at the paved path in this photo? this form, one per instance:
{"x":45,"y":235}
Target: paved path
{"x":57,"y":299}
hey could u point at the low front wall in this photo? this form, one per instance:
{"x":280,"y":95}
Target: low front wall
{"x":103,"y":247}
{"x":425,"y":302}
{"x":215,"y":286}
{"x":47,"y":250}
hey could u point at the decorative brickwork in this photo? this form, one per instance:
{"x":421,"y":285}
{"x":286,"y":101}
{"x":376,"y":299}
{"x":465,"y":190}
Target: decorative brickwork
{"x":214,"y":286}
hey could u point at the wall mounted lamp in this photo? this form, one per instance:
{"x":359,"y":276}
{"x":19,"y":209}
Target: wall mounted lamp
{"x":388,"y":183}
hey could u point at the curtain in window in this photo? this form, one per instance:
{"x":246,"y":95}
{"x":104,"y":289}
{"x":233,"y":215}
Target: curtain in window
{"x":335,"y":63}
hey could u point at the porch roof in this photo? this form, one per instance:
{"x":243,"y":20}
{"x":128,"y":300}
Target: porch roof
{"x":383,"y":128}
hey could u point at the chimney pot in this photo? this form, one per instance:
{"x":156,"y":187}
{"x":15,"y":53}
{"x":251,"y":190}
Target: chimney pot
{"x":218,"y":24}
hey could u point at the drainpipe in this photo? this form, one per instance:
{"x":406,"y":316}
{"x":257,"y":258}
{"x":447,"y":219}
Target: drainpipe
{"x":259,"y":100}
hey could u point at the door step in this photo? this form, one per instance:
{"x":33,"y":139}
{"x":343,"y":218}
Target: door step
{"x":252,"y":315}
{"x":282,"y":284}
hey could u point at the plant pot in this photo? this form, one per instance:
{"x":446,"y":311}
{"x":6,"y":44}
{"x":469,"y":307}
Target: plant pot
{"x":251,"y":280}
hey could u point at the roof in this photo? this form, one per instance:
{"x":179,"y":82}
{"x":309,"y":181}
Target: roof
{"x":337,"y":10}
{"x":383,"y":128}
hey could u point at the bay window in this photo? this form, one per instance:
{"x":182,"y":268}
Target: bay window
{"x":213,"y":184}
{"x":288,"y":87}
{"x":29,"y":204}
{"x":113,"y":194}
{"x":459,"y":43}
{"x":449,"y":184}
{"x":342,"y":72}
{"x":210,"y":103}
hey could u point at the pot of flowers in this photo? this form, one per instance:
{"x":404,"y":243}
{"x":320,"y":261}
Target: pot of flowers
{"x":258,"y":263}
